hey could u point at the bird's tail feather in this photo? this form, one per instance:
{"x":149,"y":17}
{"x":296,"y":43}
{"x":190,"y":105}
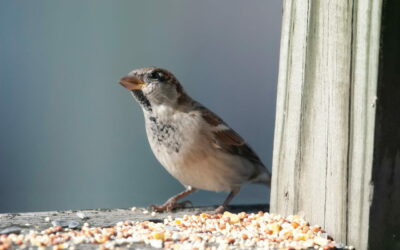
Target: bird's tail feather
{"x":263,"y":178}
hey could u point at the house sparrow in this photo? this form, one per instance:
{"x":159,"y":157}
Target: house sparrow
{"x":192,"y":143}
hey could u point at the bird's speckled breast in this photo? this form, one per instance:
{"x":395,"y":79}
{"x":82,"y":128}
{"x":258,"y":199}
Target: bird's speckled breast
{"x":163,"y":135}
{"x":176,"y":140}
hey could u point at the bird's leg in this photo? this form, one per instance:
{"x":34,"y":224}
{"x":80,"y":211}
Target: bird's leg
{"x":172,"y":203}
{"x":228,"y":199}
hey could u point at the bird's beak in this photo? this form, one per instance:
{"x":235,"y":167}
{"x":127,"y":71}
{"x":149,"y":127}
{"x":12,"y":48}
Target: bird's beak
{"x":132,"y":82}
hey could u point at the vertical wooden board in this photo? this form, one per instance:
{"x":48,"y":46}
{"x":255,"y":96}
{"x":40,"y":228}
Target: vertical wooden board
{"x":366,"y":35}
{"x":325,"y":114}
{"x":313,"y":149}
{"x":291,"y":78}
{"x":276,"y":194}
{"x":339,"y":71}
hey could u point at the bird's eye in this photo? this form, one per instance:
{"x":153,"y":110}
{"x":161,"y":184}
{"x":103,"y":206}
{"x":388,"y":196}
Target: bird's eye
{"x":157,"y":75}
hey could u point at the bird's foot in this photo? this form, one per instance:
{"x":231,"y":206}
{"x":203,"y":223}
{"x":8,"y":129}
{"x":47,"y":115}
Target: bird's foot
{"x":220,"y":209}
{"x":170,"y":205}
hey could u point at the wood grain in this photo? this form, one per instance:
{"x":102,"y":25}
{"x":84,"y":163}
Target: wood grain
{"x":325,"y":117}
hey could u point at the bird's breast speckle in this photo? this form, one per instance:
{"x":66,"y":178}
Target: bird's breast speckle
{"x":164,"y":135}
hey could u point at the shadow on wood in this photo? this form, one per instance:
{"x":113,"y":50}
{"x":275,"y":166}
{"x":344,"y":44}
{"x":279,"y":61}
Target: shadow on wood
{"x":385,"y":211}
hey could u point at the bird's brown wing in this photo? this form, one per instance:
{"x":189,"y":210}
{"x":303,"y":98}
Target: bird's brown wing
{"x":227,"y":139}
{"x":225,"y":135}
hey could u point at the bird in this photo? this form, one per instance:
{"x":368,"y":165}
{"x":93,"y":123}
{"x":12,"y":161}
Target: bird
{"x":190,"y":141}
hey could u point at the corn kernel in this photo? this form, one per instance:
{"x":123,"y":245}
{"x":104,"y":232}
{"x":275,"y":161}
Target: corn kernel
{"x":300,"y":237}
{"x":320,"y":241}
{"x":159,"y":236}
{"x":276,"y":228}
{"x":294,"y":224}
{"x":234,"y":218}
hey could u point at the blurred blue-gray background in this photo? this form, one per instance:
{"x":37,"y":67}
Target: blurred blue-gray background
{"x":72,"y":138}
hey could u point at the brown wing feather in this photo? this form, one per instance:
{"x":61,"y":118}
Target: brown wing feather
{"x":210,"y":117}
{"x":228,"y":140}
{"x":227,"y":136}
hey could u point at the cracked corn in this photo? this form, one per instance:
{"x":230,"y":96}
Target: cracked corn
{"x":205,"y":231}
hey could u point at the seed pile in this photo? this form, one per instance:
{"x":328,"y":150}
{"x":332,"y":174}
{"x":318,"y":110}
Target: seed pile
{"x":204,"y":231}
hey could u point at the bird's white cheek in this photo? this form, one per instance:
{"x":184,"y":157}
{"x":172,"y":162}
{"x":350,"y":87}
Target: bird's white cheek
{"x":148,"y":89}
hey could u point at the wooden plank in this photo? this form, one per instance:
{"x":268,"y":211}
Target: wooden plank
{"x":325,"y":122}
{"x":289,"y":93}
{"x":311,"y":137}
{"x":365,"y":63}
{"x":325,"y":115}
{"x":108,"y":217}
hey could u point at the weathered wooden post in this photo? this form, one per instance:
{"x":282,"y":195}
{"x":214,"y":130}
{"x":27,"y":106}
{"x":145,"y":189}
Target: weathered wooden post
{"x":337,"y":135}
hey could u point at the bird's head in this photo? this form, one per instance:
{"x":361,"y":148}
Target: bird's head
{"x":158,"y":86}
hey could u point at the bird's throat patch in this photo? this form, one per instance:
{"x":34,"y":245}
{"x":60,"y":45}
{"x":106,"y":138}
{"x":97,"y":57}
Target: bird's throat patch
{"x":142,"y":100}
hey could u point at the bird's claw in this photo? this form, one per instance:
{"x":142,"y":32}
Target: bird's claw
{"x":219,"y":210}
{"x":171,"y":205}
{"x":157,"y":208}
{"x":184,"y":204}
